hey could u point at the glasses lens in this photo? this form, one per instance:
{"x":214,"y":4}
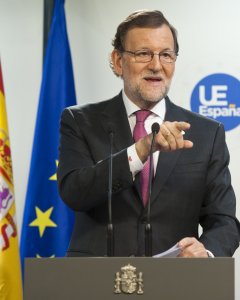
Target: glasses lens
{"x":143,"y":56}
{"x":167,"y":57}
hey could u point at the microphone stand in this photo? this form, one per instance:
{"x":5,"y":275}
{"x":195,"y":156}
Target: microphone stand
{"x":110,"y":231}
{"x":148,"y":226}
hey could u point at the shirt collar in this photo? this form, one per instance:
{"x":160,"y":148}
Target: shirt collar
{"x":159,"y":109}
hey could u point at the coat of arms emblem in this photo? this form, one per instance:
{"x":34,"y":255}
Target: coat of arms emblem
{"x":128,"y":281}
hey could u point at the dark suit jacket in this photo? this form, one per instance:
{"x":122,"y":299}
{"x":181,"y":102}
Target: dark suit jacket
{"x":191,"y":187}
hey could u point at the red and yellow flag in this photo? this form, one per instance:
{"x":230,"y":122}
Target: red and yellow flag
{"x":10,"y":270}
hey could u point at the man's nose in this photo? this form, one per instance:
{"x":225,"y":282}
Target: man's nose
{"x":155,"y":64}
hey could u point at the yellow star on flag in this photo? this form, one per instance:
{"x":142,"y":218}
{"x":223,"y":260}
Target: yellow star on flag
{"x":43,"y":220}
{"x":54,"y":176}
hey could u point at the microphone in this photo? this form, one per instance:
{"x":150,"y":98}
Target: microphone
{"x":110,"y":229}
{"x":155,"y":128}
{"x":148,"y":227}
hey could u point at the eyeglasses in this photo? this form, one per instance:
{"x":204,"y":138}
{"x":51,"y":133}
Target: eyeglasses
{"x":144,"y":56}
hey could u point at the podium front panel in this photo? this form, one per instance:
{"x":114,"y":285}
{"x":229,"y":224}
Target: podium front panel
{"x":107,"y":278}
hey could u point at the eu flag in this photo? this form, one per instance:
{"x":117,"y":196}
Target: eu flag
{"x":47,"y":222}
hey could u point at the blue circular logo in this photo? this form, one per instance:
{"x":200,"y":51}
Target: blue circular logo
{"x":217,"y":96}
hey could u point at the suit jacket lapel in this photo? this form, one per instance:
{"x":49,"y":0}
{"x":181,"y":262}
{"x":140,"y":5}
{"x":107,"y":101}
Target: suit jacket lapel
{"x":114,"y":118}
{"x":168,"y":160}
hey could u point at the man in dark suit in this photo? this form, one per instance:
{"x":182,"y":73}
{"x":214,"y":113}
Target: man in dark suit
{"x":191,"y":180}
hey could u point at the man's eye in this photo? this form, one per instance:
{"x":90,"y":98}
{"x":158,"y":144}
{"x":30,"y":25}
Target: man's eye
{"x":166,"y":54}
{"x":142,"y":53}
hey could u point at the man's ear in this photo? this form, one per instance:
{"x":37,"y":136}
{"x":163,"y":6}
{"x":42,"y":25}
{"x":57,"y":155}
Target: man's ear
{"x":116,"y":59}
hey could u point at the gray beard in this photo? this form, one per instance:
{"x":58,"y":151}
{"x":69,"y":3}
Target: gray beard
{"x":145,"y":99}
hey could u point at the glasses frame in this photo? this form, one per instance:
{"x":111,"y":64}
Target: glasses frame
{"x":152,"y":53}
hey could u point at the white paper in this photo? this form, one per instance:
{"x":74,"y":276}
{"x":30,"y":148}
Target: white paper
{"x":172,"y":252}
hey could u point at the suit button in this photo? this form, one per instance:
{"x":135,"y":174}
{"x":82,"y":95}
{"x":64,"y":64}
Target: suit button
{"x":116,"y":186}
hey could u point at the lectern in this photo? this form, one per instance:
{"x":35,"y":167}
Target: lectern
{"x":132,"y":278}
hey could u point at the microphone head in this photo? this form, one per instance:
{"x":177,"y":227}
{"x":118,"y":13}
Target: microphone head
{"x":155,"y":127}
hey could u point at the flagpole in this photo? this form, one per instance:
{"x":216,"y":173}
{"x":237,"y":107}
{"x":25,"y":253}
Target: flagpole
{"x":48,"y":8}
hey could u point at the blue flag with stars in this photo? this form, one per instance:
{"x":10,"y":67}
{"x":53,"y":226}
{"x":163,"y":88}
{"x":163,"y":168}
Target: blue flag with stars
{"x":47,"y":221}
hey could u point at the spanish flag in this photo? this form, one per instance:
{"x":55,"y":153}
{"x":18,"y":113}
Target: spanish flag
{"x":10,"y":271}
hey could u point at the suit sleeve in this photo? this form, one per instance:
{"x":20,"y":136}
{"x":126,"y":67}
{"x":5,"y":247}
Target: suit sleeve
{"x":82,"y":181}
{"x":217,"y":218}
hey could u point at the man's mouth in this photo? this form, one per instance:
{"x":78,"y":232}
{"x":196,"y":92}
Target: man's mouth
{"x":153,"y":79}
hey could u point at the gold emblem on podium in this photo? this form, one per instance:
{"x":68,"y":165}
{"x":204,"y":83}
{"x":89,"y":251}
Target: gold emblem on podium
{"x":128,"y":281}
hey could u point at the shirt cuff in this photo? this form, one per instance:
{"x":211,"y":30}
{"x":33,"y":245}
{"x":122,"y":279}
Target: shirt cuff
{"x":210,"y":254}
{"x":135,"y":163}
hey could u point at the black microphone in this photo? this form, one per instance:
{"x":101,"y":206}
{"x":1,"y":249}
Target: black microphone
{"x":148,"y":227}
{"x":110,"y":229}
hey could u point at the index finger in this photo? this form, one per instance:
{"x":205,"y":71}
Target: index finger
{"x":181,"y":126}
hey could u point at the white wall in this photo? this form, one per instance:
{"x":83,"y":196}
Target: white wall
{"x":209,"y":37}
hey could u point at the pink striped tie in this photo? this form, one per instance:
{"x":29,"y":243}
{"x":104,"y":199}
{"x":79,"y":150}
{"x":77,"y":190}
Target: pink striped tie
{"x":139,"y":132}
